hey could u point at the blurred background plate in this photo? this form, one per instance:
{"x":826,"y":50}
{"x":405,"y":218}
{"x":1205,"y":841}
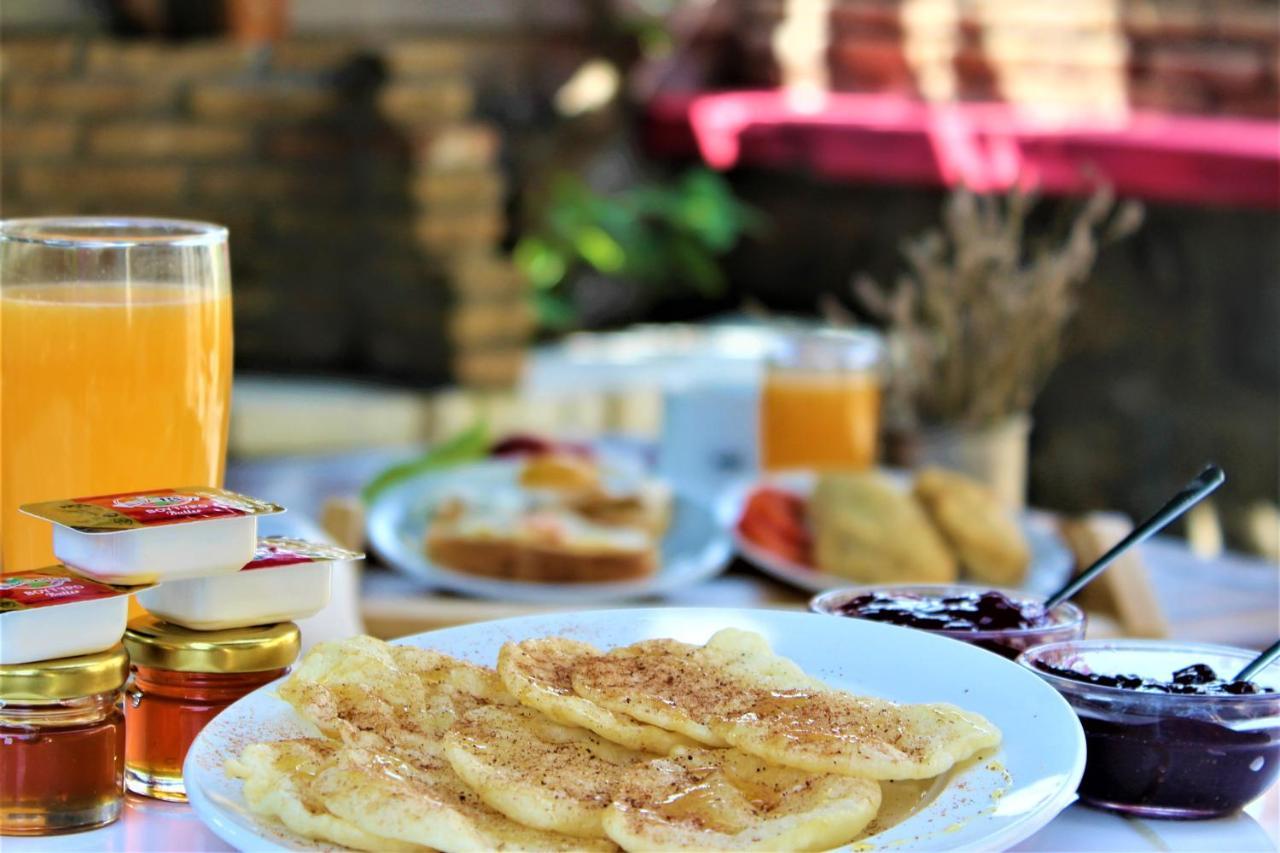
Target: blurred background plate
{"x":696,"y":545}
{"x":1051,"y":560}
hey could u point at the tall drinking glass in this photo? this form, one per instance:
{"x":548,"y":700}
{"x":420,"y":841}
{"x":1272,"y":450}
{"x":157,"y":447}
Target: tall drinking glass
{"x":820,"y":401}
{"x":115,"y":364}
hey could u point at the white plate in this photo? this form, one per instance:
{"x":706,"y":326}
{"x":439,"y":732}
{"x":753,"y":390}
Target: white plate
{"x":696,"y":545}
{"x":1051,"y":560}
{"x":981,"y":808}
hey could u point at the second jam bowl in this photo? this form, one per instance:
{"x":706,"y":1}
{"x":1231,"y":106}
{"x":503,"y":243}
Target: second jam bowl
{"x":1165,"y":737}
{"x":1003,"y":621}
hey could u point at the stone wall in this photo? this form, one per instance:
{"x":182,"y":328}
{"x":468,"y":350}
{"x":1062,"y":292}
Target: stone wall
{"x":365,"y":199}
{"x":1200,"y":56}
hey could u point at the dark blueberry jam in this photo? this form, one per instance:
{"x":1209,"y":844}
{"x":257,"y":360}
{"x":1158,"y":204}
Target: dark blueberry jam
{"x":1144,"y":759}
{"x":1198,"y":679}
{"x":987,"y":611}
{"x":1175,"y":767}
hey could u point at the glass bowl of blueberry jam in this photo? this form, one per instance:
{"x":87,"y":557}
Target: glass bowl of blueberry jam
{"x":1169,"y":733}
{"x":1004,"y":621}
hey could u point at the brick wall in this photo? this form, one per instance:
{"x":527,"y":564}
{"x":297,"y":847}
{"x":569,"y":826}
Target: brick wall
{"x":365,"y":200}
{"x":1201,"y":56}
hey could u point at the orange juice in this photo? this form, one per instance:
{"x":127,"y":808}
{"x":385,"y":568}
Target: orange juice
{"x":107,"y":388}
{"x":819,"y":419}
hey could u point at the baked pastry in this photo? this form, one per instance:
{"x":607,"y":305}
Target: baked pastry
{"x":462,"y":537}
{"x":867,"y":529}
{"x":983,"y":534}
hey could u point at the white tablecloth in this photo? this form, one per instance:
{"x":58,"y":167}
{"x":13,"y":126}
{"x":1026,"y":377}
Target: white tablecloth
{"x":1225,"y":600}
{"x":172,"y":828}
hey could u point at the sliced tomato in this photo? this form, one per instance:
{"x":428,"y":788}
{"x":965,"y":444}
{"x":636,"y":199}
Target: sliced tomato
{"x":768,"y":539}
{"x":779,"y":510}
{"x":775,"y":520}
{"x":771,"y":507}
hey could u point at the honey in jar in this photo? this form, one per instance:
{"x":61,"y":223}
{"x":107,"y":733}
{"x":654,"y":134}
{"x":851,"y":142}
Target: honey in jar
{"x":62,"y":743}
{"x":181,"y":679}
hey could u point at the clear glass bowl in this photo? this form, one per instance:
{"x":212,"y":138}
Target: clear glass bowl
{"x":1066,"y":621}
{"x":1167,"y":754}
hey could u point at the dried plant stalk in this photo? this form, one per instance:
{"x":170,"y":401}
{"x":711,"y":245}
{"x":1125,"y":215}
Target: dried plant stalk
{"x":978,"y":315}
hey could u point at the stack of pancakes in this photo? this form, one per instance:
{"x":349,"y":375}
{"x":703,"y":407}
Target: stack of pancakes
{"x":656,"y":745}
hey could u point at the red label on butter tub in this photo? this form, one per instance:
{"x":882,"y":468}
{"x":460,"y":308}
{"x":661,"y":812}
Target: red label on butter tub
{"x":133,"y":510}
{"x":50,"y":586}
{"x":280,"y":551}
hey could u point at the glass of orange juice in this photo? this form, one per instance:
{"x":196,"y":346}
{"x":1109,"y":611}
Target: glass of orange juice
{"x":820,"y":401}
{"x":115,"y":364}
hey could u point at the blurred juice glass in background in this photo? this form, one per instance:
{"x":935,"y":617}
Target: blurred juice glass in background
{"x":115,"y":364}
{"x":820,"y":402}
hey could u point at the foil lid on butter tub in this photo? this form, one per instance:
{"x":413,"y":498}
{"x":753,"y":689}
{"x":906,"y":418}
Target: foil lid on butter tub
{"x":54,"y":613}
{"x":52,"y":586}
{"x":275,"y":551}
{"x":136,"y":510}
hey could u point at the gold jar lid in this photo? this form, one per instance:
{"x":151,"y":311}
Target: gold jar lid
{"x":45,"y":681}
{"x":152,"y":642}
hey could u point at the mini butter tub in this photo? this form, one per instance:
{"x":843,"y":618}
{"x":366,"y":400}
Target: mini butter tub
{"x":287,"y":579}
{"x":161,"y":535}
{"x":54,"y":613}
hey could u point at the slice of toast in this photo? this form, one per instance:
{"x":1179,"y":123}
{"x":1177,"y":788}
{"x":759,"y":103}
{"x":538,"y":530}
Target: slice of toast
{"x":566,"y":565}
{"x":471,"y":554}
{"x":544,"y":547}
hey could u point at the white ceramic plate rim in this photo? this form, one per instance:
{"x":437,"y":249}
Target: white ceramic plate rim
{"x":1052,"y":560}
{"x":1036,"y":721}
{"x":703,"y":559}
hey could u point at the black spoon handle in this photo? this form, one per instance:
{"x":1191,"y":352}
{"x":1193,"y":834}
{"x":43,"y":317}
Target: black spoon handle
{"x":1192,"y":493}
{"x":1259,"y":663}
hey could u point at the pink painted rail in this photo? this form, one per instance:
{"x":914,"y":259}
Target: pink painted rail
{"x":989,"y":147}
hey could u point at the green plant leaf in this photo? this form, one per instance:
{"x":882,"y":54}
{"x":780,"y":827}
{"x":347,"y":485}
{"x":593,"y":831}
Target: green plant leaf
{"x":666,"y":234}
{"x":598,"y":248}
{"x":569,"y":209}
{"x":470,"y":445}
{"x":710,"y":210}
{"x":658,"y":202}
{"x":553,"y":312}
{"x":542,"y":263}
{"x":695,"y":265}
{"x":648,"y":259}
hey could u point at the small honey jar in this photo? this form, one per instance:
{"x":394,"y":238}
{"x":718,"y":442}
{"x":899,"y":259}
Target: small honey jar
{"x":181,"y":680}
{"x":62,"y":741}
